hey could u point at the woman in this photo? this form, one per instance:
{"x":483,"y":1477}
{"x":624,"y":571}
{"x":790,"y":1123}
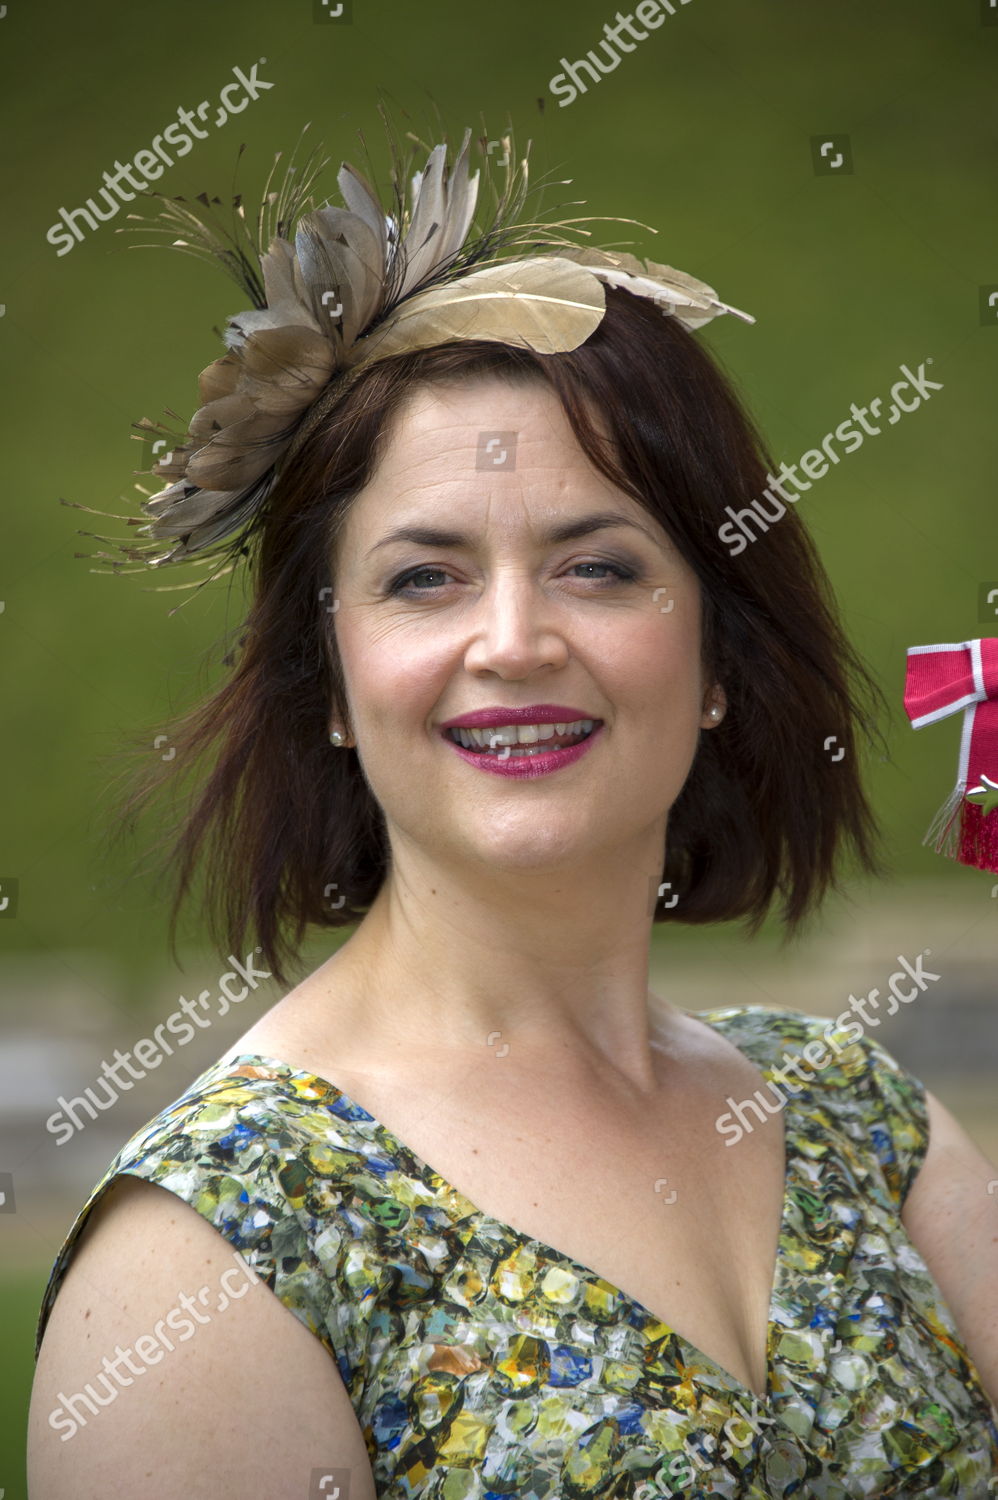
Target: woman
{"x":491,"y":1177}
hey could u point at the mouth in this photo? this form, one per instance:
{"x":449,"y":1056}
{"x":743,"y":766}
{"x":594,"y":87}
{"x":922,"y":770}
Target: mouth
{"x":522,"y":742}
{"x":526,"y":760}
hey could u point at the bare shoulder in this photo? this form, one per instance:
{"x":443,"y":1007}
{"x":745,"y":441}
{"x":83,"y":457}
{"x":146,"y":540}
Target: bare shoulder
{"x":951,"y":1217}
{"x":201,"y":1376}
{"x":299,"y":1023}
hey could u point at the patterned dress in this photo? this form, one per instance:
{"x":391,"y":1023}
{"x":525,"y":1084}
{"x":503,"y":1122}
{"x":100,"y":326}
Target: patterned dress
{"x":482,"y":1363}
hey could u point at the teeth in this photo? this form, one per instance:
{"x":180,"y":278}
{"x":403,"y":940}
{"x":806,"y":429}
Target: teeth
{"x":500,"y":735}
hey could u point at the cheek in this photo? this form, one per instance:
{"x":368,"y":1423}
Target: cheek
{"x":392,"y":674}
{"x":656,"y":652}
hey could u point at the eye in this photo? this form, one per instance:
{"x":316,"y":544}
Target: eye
{"x":626,"y":574}
{"x":401,"y":584}
{"x":398,"y":584}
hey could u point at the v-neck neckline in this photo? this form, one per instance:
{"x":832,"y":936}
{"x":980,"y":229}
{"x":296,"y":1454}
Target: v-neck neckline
{"x":640,"y":1316}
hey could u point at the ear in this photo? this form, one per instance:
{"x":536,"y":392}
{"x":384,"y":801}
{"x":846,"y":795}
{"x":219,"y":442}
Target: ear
{"x":716,"y":698}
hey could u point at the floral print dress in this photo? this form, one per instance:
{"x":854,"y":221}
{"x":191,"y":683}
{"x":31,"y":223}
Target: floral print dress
{"x":483,"y":1363}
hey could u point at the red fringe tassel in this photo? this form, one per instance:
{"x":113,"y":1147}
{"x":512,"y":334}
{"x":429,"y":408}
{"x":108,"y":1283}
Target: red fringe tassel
{"x":978,"y":837}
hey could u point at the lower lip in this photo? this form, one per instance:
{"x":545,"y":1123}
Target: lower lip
{"x":525,"y":765}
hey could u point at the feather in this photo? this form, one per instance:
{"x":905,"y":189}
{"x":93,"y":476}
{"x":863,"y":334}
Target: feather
{"x":235,"y":246}
{"x":173,"y":467}
{"x":442,"y":208}
{"x":284,"y":369}
{"x":184,"y":510}
{"x":284,"y":292}
{"x":422,"y":234}
{"x":215,"y":415}
{"x":360,"y":199}
{"x":462,"y":196}
{"x":550,"y":306}
{"x":198,"y":538}
{"x":285,"y":303}
{"x":218,"y":379}
{"x":692,"y":301}
{"x":337,"y":251}
{"x":239,"y":455}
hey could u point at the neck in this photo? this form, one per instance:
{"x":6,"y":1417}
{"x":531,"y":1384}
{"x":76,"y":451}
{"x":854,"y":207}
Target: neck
{"x":547,"y":964}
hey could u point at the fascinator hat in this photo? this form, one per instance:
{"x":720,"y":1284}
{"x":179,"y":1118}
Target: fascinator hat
{"x":333,"y":289}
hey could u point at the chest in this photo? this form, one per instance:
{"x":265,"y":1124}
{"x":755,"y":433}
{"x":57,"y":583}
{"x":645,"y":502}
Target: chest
{"x":661,"y":1208}
{"x":647,"y":1196}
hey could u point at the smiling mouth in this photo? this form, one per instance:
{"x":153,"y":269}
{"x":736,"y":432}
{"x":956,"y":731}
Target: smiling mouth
{"x":508,"y":745}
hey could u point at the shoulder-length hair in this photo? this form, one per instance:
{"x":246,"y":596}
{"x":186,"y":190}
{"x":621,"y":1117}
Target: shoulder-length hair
{"x":286,"y":826}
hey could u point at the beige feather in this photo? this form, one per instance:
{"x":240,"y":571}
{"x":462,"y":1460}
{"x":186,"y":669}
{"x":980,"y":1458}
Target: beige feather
{"x":183,"y":505}
{"x":549,"y":305}
{"x":440,"y":217}
{"x":338,"y":252}
{"x":285,"y":305}
{"x":240,"y":454}
{"x":462,"y":196}
{"x":284,"y":369}
{"x":429,"y":210}
{"x":219,"y":378}
{"x":215,"y":415}
{"x":360,"y":199}
{"x":675,"y":292}
{"x":213,"y":527}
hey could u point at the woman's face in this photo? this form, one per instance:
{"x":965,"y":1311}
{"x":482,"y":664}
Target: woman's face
{"x":606,"y":625}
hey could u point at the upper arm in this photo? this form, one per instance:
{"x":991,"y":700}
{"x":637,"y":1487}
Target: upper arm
{"x":236,"y":1399}
{"x":951,"y":1216}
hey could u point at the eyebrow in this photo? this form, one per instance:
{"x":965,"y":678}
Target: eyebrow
{"x":564,"y":531}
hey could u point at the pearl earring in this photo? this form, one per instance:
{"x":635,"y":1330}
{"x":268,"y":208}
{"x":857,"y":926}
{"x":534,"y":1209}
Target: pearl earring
{"x":714,"y":712}
{"x":337,"y":737}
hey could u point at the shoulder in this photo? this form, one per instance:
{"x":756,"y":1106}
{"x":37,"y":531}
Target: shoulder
{"x":165,"y":1353}
{"x":835,"y":1054}
{"x":243,"y":1146}
{"x":942,"y":1187}
{"x":955,"y":1176}
{"x":951,"y":1217}
{"x":845,"y":1081}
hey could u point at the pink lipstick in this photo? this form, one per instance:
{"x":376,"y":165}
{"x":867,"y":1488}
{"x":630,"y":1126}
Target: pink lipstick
{"x":501,"y":762}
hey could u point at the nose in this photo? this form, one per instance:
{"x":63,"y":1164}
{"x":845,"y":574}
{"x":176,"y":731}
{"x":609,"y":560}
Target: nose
{"x":514,"y":628}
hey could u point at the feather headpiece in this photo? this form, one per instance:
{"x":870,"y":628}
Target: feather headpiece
{"x":334,"y":289}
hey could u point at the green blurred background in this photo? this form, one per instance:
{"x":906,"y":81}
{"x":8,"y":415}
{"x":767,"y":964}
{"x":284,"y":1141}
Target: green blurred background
{"x":709,"y":131}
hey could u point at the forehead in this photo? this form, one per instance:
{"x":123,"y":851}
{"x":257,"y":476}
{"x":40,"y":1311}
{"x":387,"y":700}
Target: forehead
{"x":505,"y":452}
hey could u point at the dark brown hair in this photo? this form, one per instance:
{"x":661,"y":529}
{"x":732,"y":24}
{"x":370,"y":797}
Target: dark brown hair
{"x":287,"y":827}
